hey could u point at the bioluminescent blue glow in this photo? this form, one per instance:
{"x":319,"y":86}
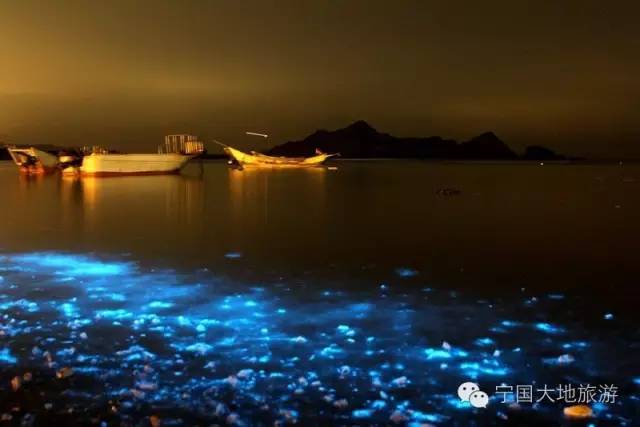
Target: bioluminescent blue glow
{"x":70,"y":265}
{"x":548,"y":328}
{"x":6,"y":356}
{"x":563,"y":359}
{"x":406,"y":272}
{"x":484,"y":342}
{"x":233,"y":255}
{"x":474,"y":370}
{"x":203,"y":345}
{"x":509,"y":323}
{"x":449,"y":353}
{"x":575,"y":345}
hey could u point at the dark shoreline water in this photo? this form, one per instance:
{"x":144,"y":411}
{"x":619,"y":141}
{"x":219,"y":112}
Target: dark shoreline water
{"x":354,"y":296}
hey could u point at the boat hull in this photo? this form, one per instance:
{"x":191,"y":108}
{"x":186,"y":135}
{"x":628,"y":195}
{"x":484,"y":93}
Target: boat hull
{"x":264,"y":161}
{"x":132,"y":164}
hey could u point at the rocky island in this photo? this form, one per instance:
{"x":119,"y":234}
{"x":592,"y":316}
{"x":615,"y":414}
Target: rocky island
{"x":361,"y":140}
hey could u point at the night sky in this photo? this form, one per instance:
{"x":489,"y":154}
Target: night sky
{"x":564,"y":74}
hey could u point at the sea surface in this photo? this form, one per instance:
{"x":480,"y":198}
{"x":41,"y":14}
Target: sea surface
{"x":363,"y":295}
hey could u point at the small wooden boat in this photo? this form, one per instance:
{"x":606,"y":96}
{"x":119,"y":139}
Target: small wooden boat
{"x":253,"y":159}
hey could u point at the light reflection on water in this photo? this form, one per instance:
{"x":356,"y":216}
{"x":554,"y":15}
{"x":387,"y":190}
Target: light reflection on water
{"x":561,"y":228}
{"x":257,"y":353}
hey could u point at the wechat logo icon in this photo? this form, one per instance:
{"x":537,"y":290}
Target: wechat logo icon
{"x":470,"y":392}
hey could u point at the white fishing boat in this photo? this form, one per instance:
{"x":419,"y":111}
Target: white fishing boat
{"x":33,"y":161}
{"x":171,"y":158}
{"x":131,"y":164}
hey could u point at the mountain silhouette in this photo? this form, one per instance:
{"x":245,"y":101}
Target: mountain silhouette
{"x":361,"y":140}
{"x":536,"y":152}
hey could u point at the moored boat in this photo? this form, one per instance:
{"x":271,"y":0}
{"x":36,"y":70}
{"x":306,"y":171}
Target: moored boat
{"x":133,"y":164}
{"x":97,"y":161}
{"x":171,"y":158}
{"x":33,"y":161}
{"x":253,"y":159}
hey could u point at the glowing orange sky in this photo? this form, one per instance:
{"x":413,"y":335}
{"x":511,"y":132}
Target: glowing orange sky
{"x":122,"y":74}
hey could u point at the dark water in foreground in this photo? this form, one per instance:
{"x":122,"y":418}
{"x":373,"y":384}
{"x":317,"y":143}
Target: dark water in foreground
{"x":320,"y":296}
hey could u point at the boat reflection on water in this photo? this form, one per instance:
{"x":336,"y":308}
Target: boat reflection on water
{"x":192,"y":219}
{"x":172,"y":198}
{"x":260,"y":188}
{"x":268,"y":202}
{"x":85,"y":213}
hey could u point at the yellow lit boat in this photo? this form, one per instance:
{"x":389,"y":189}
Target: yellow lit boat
{"x":254,"y":159}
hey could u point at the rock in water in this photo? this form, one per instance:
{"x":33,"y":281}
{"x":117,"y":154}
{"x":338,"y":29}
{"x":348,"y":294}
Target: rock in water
{"x":64,"y":373}
{"x":16,"y":382}
{"x":244,"y":373}
{"x":578,"y":411}
{"x":154,"y":420}
{"x":565,"y":359}
{"x":448,"y":192}
{"x":341,"y":404}
{"x":398,"y":417}
{"x":400,"y":382}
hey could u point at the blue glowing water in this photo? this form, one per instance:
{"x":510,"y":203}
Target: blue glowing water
{"x":247,"y":353}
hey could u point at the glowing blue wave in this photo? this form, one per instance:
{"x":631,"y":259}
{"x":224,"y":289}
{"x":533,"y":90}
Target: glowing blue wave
{"x":196,"y":341}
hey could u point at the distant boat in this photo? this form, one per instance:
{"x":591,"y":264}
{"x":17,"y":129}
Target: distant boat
{"x":33,"y":161}
{"x":253,"y":159}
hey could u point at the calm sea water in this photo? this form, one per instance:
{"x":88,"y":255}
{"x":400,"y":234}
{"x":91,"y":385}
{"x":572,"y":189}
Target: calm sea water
{"x":357,"y":295}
